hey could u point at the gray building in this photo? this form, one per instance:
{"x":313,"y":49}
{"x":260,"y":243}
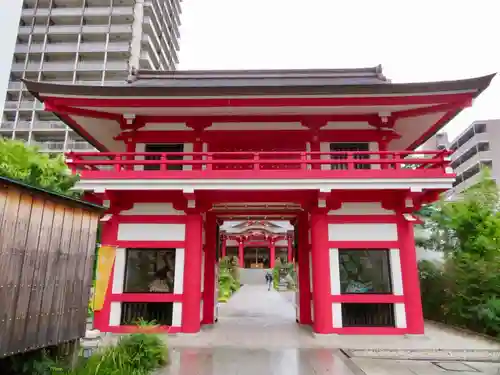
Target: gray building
{"x":82,"y":41}
{"x":476,"y":147}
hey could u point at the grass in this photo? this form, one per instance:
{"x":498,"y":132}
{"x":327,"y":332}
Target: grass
{"x":135,"y":354}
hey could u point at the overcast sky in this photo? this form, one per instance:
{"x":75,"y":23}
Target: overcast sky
{"x":430,"y":40}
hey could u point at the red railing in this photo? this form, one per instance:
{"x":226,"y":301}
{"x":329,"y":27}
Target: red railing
{"x":178,"y":164}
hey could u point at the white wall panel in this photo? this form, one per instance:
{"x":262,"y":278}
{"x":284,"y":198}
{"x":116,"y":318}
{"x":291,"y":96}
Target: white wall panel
{"x":179,"y":271}
{"x":334,"y":272}
{"x":151,"y":232}
{"x":361,"y":208}
{"x":115,"y":314}
{"x":152,"y":209}
{"x":362,"y":232}
{"x":400,"y":315}
{"x":337,"y":315}
{"x":396,"y":274}
{"x":119,"y":271}
{"x":177,"y":314}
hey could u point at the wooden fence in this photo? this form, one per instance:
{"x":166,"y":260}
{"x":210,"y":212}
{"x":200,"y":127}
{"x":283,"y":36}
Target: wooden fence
{"x":47,"y":245}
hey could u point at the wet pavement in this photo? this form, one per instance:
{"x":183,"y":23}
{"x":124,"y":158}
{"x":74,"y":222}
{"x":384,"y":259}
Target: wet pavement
{"x":257,"y":334}
{"x":245,"y":361}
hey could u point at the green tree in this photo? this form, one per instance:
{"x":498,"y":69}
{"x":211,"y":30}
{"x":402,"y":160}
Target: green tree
{"x":25,"y":164}
{"x":470,"y":224}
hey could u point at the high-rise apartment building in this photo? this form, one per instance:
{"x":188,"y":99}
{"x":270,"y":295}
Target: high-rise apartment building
{"x":476,"y":147}
{"x":83,"y":41}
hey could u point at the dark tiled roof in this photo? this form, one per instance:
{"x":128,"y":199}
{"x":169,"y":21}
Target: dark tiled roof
{"x":245,"y":78}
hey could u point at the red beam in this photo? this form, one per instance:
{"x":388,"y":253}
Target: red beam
{"x":305,"y":120}
{"x":264,"y":137}
{"x":261,"y":102}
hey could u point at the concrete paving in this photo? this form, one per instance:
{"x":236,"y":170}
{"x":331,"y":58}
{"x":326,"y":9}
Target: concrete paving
{"x":257,"y":333}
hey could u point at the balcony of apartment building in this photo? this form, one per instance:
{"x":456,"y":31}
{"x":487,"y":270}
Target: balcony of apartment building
{"x":72,"y":48}
{"x":478,"y":151}
{"x":70,"y":66}
{"x":471,"y":176}
{"x":68,"y":31}
{"x":68,"y":13}
{"x":472,"y":135}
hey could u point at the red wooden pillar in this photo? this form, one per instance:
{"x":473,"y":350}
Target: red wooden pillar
{"x":191,"y":297}
{"x":290,"y":252}
{"x":240,"y":253}
{"x":272,"y":253}
{"x":209,"y":271}
{"x":304,"y":274}
{"x":322,"y":301}
{"x":223,"y":250}
{"x":411,"y":281}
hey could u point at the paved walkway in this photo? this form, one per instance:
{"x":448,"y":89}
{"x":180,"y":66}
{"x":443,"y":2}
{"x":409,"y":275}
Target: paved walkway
{"x":257,"y":333}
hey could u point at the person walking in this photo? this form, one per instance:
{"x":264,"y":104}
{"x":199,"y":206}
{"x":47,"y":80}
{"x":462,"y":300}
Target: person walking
{"x":269,"y":280}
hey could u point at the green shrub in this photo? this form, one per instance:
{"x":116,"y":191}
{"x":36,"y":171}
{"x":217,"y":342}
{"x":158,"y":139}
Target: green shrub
{"x":464,"y":291}
{"x":135,"y":354}
{"x":229,"y":278}
{"x":39,"y":362}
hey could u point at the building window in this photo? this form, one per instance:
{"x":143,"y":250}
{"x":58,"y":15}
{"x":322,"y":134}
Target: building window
{"x":150,"y":271}
{"x":349,"y":147}
{"x":167,"y":148}
{"x":368,"y":315}
{"x":364,"y":271}
{"x":159,"y":312}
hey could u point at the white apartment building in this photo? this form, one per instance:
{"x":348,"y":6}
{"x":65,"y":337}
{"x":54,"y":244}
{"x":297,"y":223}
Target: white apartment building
{"x":81,"y":41}
{"x":476,"y":147}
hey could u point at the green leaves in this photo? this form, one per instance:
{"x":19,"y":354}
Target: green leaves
{"x":24,"y":163}
{"x":465,"y":289}
{"x":470,"y":224}
{"x":229,"y":278}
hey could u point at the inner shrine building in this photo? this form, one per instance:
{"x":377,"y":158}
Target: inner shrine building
{"x":185,"y":156}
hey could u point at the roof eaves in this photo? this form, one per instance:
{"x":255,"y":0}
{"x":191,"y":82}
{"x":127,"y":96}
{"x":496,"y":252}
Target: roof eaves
{"x":10,"y":181}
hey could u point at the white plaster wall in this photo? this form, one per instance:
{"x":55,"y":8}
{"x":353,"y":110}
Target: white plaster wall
{"x":337,"y":315}
{"x":139,"y":147}
{"x":231,"y":243}
{"x":361,"y":208}
{"x":152,"y":209}
{"x":362,"y":232}
{"x":325,"y":147}
{"x":151,"y":232}
{"x":373,"y":146}
{"x":400,"y":315}
{"x":119,"y":271}
{"x":179,"y":271}
{"x":396,"y":274}
{"x":282,"y":243}
{"x":177,"y":314}
{"x":188,"y":147}
{"x":178,"y":286}
{"x":334,"y":272}
{"x":115,"y":314}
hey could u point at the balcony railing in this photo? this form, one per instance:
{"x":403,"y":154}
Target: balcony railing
{"x":386,"y":164}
